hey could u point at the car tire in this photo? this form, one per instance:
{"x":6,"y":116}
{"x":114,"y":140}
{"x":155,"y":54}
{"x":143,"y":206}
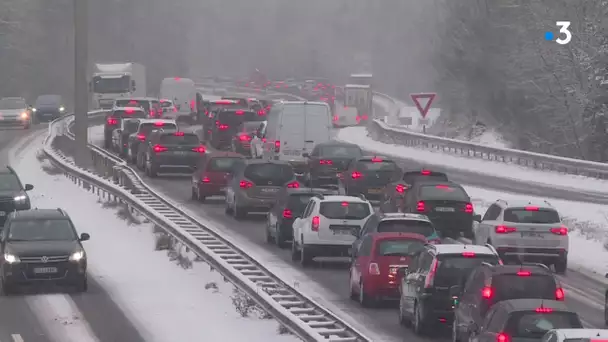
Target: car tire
{"x":306,"y":259}
{"x":82,"y":285}
{"x":353,"y":295}
{"x":561,"y":266}
{"x":7,"y":288}
{"x":365,"y":300}
{"x":279,"y":240}
{"x":295,"y":253}
{"x":269,"y":238}
{"x":240,"y":213}
{"x":152,"y":171}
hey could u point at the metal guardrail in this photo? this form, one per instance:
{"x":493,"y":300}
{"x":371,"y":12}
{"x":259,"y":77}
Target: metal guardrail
{"x":297,"y":312}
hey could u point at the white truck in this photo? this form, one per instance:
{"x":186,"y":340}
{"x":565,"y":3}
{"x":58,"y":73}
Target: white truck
{"x":113,"y":81}
{"x":359,"y":96}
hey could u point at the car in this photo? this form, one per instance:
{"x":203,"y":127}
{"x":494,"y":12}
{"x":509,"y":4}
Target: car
{"x":182,"y":91}
{"x":150,"y":105}
{"x":398,"y":223}
{"x":114,"y":118}
{"x":211,"y":175}
{"x":328,"y":159}
{"x":528,"y":230}
{"x":290,"y":204}
{"x":368,"y":176}
{"x":144,"y":128}
{"x":326,"y":226}
{"x":15,"y":112}
{"x":447,"y":204}
{"x":426,"y":295}
{"x":168,"y":108}
{"x":42,"y":246}
{"x":212,"y":108}
{"x":241,"y":141}
{"x":226,"y":123}
{"x":255,"y":185}
{"x":169,"y":152}
{"x":13,"y":193}
{"x":572,"y":335}
{"x":243,"y":101}
{"x":394,"y":193}
{"x":257,"y":141}
{"x":376,"y":262}
{"x":524,"y":320}
{"x":489,"y":284}
{"x":48,"y":108}
{"x":120,"y":136}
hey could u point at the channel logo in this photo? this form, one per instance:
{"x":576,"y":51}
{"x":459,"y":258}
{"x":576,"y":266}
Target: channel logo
{"x":564,"y":36}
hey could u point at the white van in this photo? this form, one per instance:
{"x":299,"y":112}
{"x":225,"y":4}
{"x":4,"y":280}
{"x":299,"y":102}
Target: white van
{"x":182,"y":92}
{"x":346,"y":116}
{"x":294,"y":128}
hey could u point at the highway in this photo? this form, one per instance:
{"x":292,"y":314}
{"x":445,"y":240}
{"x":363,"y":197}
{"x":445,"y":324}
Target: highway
{"x":19,"y":317}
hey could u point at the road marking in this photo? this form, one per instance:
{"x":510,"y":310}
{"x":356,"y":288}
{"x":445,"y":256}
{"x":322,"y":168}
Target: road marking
{"x":17,"y":338}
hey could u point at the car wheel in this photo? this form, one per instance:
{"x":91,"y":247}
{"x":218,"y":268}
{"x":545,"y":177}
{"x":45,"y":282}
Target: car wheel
{"x":82,"y":285}
{"x":353,"y":294}
{"x":269,"y":237}
{"x":7,"y":288}
{"x":455,"y":337}
{"x":364,"y":299}
{"x":240,"y":213}
{"x":306,"y":258}
{"x":295,"y":253}
{"x":561,"y":266}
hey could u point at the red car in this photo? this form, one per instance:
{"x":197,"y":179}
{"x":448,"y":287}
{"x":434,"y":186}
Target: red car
{"x":211,"y":175}
{"x":374,"y":266}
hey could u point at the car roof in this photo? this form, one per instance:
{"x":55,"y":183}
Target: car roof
{"x":369,"y":158}
{"x":513,"y":269}
{"x":526,"y":203}
{"x":265,"y":161}
{"x":7,"y":170}
{"x":336,"y":143}
{"x":137,"y":98}
{"x":224,"y":101}
{"x":343,"y":198}
{"x":424,"y":182}
{"x":398,"y":236}
{"x":403,"y":216}
{"x":156,"y":120}
{"x":531,"y":304}
{"x":13,"y":98}
{"x":323,"y":191}
{"x":582,"y":333}
{"x":37,"y":214}
{"x":219,"y":154}
{"x":457,"y":248}
{"x":128,"y":108}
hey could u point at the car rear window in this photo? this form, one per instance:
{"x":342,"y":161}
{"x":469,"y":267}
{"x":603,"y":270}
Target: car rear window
{"x":411,"y":177}
{"x":129,"y":114}
{"x":146,"y":128}
{"x":400,"y":247}
{"x":533,"y":325}
{"x":145,"y":104}
{"x":234,"y":118}
{"x":186,"y":139}
{"x":345,"y":210}
{"x":298,"y":202}
{"x":406,"y":226}
{"x":340,"y":152}
{"x":242,"y":102}
{"x":454,"y":269}
{"x":223,"y":164}
{"x":384,"y":165}
{"x":166,"y":104}
{"x":443,"y":192}
{"x":512,"y":286}
{"x":261,"y":174}
{"x":131,"y":126}
{"x":532,"y":215}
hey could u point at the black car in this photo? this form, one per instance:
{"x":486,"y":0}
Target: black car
{"x":427,"y":300}
{"x":226,"y":124}
{"x":48,"y":108}
{"x":13,"y":194}
{"x":290,"y":204}
{"x":489,"y":284}
{"x":144,"y":128}
{"x":114,"y":118}
{"x":241,"y":141}
{"x":170,"y":152}
{"x":447,"y":204}
{"x":524,"y":320}
{"x":327,"y":160}
{"x":212,"y":108}
{"x":368,"y":176}
{"x":41,"y":246}
{"x":394,"y":193}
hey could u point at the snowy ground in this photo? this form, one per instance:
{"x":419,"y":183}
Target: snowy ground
{"x":358,"y":135}
{"x":167,"y":299}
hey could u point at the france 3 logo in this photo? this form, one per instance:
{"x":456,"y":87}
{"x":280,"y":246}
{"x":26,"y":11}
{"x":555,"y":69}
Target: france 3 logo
{"x":563,"y":37}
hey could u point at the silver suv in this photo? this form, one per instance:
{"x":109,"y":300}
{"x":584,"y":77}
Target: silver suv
{"x":525,"y":231}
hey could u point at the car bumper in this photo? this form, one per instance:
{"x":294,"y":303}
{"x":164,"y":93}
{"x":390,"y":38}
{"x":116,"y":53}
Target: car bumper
{"x":380,"y":288}
{"x":327,"y":250}
{"x":435,"y":312}
{"x":211,"y":189}
{"x":255,"y":204}
{"x":48,"y":115}
{"x":14,"y":122}
{"x":24,"y":273}
{"x":531,"y":254}
{"x":176,"y":163}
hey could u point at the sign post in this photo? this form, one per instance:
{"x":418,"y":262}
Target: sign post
{"x":423,"y":110}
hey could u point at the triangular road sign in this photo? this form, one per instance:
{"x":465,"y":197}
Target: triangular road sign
{"x":417,"y":97}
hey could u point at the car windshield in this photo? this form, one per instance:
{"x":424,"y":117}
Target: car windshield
{"x":145,"y":104}
{"x":512,"y":286}
{"x":345,"y":210}
{"x":48,"y":100}
{"x":186,"y":139}
{"x":41,"y":230}
{"x":223,"y":164}
{"x":269,"y":172}
{"x":454,"y":269}
{"x":532,"y":215}
{"x":412,"y":177}
{"x":533,"y":325}
{"x":146,"y":128}
{"x":340,"y":151}
{"x":443,"y":192}
{"x":400,"y":247}
{"x":9,"y":182}
{"x":423,"y":228}
{"x":12,"y":104}
{"x":298,"y":202}
{"x":166,"y":104}
{"x":234,"y":118}
{"x":250,"y":126}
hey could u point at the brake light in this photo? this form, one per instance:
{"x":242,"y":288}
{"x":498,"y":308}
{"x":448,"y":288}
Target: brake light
{"x":223,"y":127}
{"x":206,"y":180}
{"x":141,"y":137}
{"x":129,"y":111}
{"x":159,"y":148}
{"x":524,"y":273}
{"x":468,"y":208}
{"x":345,"y":204}
{"x":175,"y":109}
{"x":261,"y":112}
{"x":277,"y":146}
{"x":293,"y":185}
{"x":400,"y":188}
{"x":244,"y":137}
{"x":543,"y":310}
{"x":159,"y":124}
{"x":356,"y":175}
{"x":468,"y":254}
{"x":502,"y":337}
{"x":200,"y":149}
{"x":425,"y":172}
{"x":443,"y":187}
{"x":245,"y":184}
{"x":239,"y":112}
{"x":287,"y":214}
{"x":560,"y":294}
{"x":336,"y":118}
{"x":531,"y":208}
{"x":487,"y":292}
{"x":374,"y":269}
{"x":430,"y":278}
{"x":316,"y":222}
{"x":192,"y":105}
{"x":420,"y":206}
{"x":364,"y":117}
{"x":560,"y":231}
{"x":376,"y":160}
{"x":112,"y":121}
{"x":179,"y":134}
{"x":504,"y":229}
{"x":325,"y":162}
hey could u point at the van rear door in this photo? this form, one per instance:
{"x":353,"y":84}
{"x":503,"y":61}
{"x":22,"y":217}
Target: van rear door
{"x":317,"y":126}
{"x":292,"y":132}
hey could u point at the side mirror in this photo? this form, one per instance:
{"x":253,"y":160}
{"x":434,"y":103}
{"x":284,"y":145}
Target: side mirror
{"x":85,"y":237}
{"x":29,"y":187}
{"x":477,"y":218}
{"x":455,"y":291}
{"x":306,"y":155}
{"x":606,"y":275}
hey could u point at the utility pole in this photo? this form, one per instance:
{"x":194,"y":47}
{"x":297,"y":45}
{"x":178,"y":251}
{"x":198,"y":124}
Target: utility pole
{"x":81,"y":85}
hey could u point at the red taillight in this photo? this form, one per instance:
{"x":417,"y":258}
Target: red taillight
{"x":141,"y":137}
{"x":400,"y":188}
{"x":531,"y":208}
{"x":206,"y":180}
{"x":129,"y":111}
{"x":504,"y":229}
{"x":261,"y":112}
{"x":287,"y":214}
{"x":159,"y":124}
{"x":263,"y":139}
{"x":425,"y":172}
{"x":544,"y":310}
{"x":239,"y":112}
{"x":277,"y":146}
{"x":468,"y":208}
{"x":468,"y":254}
{"x":223,"y":127}
{"x":502,"y":337}
{"x":376,"y":160}
{"x":159,"y":148}
{"x":487,"y":292}
{"x":200,"y":149}
{"x":245,"y":184}
{"x":524,"y":273}
{"x":345,"y":204}
{"x":326,"y":162}
{"x":336,"y":118}
{"x":560,"y":294}
{"x":420,"y":206}
{"x":356,"y":175}
{"x":175,"y":109}
{"x":192,"y":105}
{"x":560,"y":231}
{"x":112,"y":121}
{"x":244,"y":137}
{"x":430,"y":278}
{"x":293,"y":185}
{"x":364,"y":117}
{"x":316,"y":222}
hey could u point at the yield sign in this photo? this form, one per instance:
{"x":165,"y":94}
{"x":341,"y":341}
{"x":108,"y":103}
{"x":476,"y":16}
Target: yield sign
{"x":425,"y":96}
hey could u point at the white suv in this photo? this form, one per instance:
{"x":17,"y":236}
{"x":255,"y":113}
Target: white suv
{"x":525,"y":231}
{"x":328,"y":227}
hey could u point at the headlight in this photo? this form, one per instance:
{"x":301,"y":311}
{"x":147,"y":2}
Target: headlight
{"x":34,"y":110}
{"x":11,"y":258}
{"x":77,"y":256}
{"x":24,"y":115}
{"x":20,"y":198}
{"x":61,"y":109}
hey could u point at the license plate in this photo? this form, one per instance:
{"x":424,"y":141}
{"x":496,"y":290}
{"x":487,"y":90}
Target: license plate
{"x":269,"y":190}
{"x":180,"y":153}
{"x":341,"y":232}
{"x":223,"y":189}
{"x":291,"y":153}
{"x":445,"y":209}
{"x":40,"y":270}
{"x":532,"y":235}
{"x":374,"y":191}
{"x":2,"y":213}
